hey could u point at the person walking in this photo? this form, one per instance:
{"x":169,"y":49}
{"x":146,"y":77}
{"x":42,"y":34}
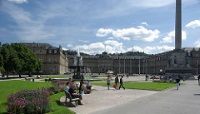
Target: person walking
{"x":108,"y":82}
{"x":80,"y":86}
{"x":177,"y":82}
{"x":198,"y":80}
{"x":121,"y":83}
{"x":116,"y":80}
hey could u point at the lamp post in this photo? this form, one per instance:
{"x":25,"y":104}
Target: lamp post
{"x":124,"y":67}
{"x":139,"y":66}
{"x":119,"y":64}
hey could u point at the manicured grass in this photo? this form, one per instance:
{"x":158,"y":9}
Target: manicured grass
{"x":56,"y":107}
{"x":153,"y":86}
{"x":8,"y":87}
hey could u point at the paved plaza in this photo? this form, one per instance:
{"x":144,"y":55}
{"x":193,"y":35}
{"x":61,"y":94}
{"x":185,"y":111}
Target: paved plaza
{"x":102,"y":101}
{"x":171,"y":101}
{"x":186,"y":100}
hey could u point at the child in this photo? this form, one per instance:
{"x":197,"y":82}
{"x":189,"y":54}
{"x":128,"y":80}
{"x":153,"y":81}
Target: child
{"x":114,"y":86}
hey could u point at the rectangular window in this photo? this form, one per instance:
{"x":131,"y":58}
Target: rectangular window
{"x":49,"y":51}
{"x":197,"y":63}
{"x":55,"y":51}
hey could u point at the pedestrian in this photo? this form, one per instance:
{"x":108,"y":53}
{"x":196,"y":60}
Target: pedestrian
{"x":177,"y":82}
{"x":80,"y":86}
{"x":108,"y":82}
{"x":198,"y":80}
{"x":116,"y":80}
{"x":121,"y":83}
{"x":146,"y":78}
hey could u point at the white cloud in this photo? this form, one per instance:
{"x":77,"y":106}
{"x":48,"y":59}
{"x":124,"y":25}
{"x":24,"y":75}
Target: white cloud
{"x":144,"y":23}
{"x":93,"y":48}
{"x":138,"y":33}
{"x":193,"y":24}
{"x":18,"y":1}
{"x":197,"y":43}
{"x":109,"y":46}
{"x":64,"y":48}
{"x":171,"y":37}
{"x":156,"y":49}
{"x":113,"y":43}
{"x":151,"y":49}
{"x":103,"y":32}
{"x":112,"y":46}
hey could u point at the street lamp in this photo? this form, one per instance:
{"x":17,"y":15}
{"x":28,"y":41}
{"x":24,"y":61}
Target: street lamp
{"x":139,"y":66}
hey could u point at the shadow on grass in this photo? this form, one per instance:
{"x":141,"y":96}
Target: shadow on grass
{"x":59,"y":103}
{"x":196,"y":94}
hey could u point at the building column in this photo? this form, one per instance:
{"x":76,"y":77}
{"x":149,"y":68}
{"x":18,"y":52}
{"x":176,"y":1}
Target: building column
{"x":178,"y":28}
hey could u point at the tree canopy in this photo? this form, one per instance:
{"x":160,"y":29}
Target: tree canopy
{"x":17,"y":58}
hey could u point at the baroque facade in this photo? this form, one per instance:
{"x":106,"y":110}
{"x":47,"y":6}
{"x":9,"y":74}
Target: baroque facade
{"x":53,"y":59}
{"x":184,"y":61}
{"x":56,"y":62}
{"x":118,"y":64}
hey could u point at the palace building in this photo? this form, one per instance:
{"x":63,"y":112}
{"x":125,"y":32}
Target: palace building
{"x":180,"y":61}
{"x":53,"y":59}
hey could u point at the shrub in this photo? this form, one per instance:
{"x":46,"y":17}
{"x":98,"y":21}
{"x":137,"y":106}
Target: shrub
{"x":29,"y":102}
{"x":58,"y":86}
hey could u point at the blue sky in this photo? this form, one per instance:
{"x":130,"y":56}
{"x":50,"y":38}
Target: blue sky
{"x":95,"y":26}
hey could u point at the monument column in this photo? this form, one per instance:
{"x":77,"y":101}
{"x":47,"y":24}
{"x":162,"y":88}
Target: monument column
{"x":178,"y":28}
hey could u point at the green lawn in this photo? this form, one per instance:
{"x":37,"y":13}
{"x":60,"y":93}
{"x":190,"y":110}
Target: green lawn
{"x":8,"y":87}
{"x":56,"y":108}
{"x":153,"y":86}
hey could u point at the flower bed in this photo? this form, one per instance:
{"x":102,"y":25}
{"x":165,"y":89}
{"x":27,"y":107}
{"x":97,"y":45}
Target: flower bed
{"x":29,"y":102}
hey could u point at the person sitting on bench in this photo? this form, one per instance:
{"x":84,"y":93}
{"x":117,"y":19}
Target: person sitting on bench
{"x":74,"y":94}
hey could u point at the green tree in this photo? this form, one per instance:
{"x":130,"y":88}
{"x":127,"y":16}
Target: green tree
{"x":1,"y":63}
{"x":18,"y":58}
{"x":26,"y":61}
{"x":6,"y":51}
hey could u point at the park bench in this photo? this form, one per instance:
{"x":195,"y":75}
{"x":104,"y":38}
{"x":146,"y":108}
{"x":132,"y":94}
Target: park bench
{"x":68,"y":100}
{"x":29,"y":79}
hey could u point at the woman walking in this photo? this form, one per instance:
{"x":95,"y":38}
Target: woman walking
{"x":177,"y":82}
{"x":121,"y":83}
{"x":108,"y":82}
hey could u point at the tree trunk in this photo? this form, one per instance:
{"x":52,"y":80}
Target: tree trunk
{"x":7,"y":74}
{"x":29,"y":73}
{"x":20,"y":75}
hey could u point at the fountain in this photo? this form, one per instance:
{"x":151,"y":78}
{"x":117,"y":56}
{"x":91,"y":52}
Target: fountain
{"x":77,"y":66}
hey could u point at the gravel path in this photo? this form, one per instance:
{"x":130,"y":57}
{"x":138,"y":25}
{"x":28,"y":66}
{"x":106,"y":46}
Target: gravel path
{"x":101,"y":98}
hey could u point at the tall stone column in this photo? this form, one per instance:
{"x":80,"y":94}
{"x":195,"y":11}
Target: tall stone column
{"x":178,"y":27}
